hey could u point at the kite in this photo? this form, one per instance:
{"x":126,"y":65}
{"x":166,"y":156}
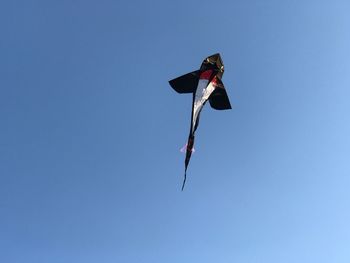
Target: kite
{"x":205,"y":84}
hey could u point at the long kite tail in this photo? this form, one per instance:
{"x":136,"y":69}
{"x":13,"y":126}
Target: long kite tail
{"x":189,"y":150}
{"x":184,"y":182}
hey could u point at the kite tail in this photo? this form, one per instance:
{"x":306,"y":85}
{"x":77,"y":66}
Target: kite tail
{"x":184,"y":182}
{"x":188,"y":157}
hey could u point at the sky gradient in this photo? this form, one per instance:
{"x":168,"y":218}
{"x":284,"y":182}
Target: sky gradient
{"x":90,"y":167}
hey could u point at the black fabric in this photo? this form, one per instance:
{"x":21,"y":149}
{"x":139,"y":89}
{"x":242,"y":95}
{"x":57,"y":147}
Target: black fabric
{"x":218,"y":99}
{"x":186,"y":83}
{"x":214,"y":62}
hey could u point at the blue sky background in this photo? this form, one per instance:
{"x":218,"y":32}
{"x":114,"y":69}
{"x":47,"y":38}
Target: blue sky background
{"x":90,"y":168}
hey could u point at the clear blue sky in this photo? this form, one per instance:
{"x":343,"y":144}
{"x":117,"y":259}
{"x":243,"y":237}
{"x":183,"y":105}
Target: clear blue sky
{"x":90,"y":168}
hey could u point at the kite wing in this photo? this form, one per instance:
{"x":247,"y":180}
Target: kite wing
{"x":186,"y":83}
{"x":218,"y":99}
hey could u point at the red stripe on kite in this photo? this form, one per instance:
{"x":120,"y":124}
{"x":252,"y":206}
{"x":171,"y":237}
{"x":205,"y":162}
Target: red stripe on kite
{"x":206,"y":74}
